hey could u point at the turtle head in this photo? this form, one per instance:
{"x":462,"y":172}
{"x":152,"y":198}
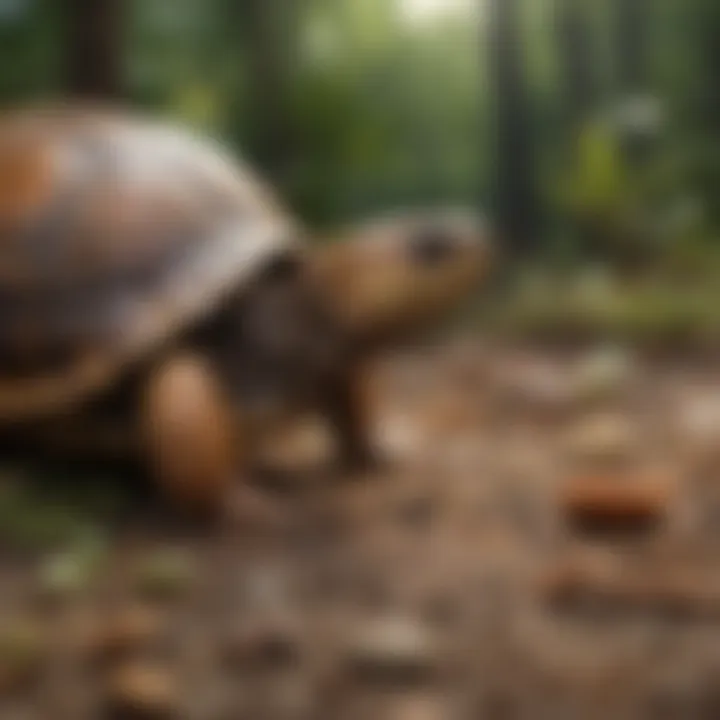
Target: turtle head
{"x":397,"y":276}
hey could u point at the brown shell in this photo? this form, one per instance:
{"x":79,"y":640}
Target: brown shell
{"x":115,"y":233}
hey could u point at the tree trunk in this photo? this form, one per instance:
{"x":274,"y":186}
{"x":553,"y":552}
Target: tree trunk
{"x":515,"y":201}
{"x":705,"y":102}
{"x":268,"y":33}
{"x":631,"y":77}
{"x":631,"y":39}
{"x":579,"y":93}
{"x":577,"y":69}
{"x":95,"y":45}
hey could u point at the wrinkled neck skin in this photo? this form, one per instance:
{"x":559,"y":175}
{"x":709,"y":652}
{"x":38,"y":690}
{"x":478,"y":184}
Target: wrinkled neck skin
{"x":276,"y":349}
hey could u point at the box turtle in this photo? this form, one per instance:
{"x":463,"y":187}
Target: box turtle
{"x":156,"y":300}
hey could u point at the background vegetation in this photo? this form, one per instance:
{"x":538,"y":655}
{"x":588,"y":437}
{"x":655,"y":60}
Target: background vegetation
{"x":589,"y":129}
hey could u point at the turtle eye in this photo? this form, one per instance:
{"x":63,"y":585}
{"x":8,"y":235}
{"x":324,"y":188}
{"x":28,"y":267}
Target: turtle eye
{"x":283,"y":269}
{"x":432,"y":246}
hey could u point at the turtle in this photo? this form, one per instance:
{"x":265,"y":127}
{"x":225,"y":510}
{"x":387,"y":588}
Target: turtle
{"x":158,"y":301}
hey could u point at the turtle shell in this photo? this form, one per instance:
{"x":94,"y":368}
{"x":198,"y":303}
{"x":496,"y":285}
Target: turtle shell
{"x":116,"y":232}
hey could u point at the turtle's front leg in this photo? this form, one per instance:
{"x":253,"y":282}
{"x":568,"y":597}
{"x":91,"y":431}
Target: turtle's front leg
{"x":194,"y":444}
{"x":189,"y":434}
{"x":347,"y":406}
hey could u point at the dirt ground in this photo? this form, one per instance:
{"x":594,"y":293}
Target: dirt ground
{"x":461,"y":581}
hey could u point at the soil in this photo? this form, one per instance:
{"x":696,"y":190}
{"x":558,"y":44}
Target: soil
{"x":451,"y":583}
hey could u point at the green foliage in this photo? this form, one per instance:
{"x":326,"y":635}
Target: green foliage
{"x":599,"y":183}
{"x":382,"y":109}
{"x":628,"y":189}
{"x":384,"y":115}
{"x":43,"y":509}
{"x":653,"y":313}
{"x":30,"y":49}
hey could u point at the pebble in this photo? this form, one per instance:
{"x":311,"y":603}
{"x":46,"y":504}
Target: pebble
{"x":397,"y":649}
{"x":141,"y":692}
{"x":603,"y":437}
{"x":619,"y":502}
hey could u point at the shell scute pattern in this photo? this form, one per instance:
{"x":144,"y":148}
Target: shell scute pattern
{"x":124,"y":231}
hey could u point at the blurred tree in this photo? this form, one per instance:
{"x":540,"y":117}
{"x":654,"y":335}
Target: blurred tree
{"x":356,"y":106}
{"x":182,"y":59}
{"x":516,"y":202}
{"x":576,"y":101}
{"x":267,"y":32}
{"x":701,"y":100}
{"x":368,"y":109}
{"x":31,"y":51}
{"x":95,"y":48}
{"x":578,"y":64}
{"x":632,"y":20}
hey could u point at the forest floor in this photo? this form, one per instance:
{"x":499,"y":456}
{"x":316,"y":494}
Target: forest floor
{"x":545,"y":543}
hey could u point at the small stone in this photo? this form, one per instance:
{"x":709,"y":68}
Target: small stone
{"x":165,"y":574}
{"x":141,"y":692}
{"x":616,"y":503}
{"x":603,"y":437}
{"x":400,"y":435}
{"x":395,"y":649}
